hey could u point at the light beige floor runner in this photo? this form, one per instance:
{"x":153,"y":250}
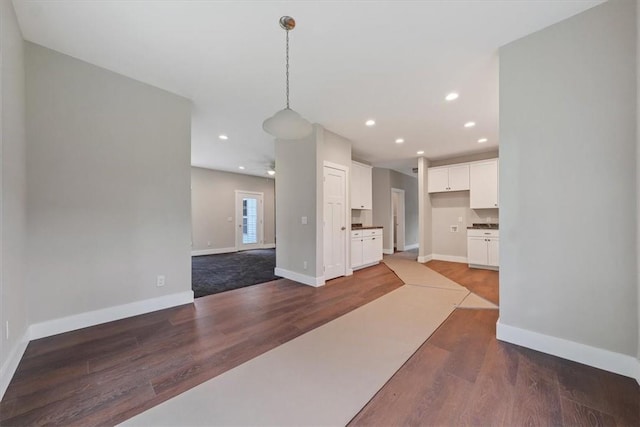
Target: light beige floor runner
{"x":474,"y":301}
{"x":414,"y":273}
{"x":323,"y":377}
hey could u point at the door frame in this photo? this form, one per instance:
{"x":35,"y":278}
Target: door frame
{"x":400,"y":243}
{"x":238,"y":221}
{"x":348,"y":271}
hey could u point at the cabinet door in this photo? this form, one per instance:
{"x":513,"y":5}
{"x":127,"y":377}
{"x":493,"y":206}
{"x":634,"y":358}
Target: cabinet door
{"x":493,"y":252}
{"x":371,"y":249}
{"x":484,"y":185}
{"x":477,"y":250}
{"x":356,"y":252}
{"x":437,"y":180}
{"x":459,"y":178}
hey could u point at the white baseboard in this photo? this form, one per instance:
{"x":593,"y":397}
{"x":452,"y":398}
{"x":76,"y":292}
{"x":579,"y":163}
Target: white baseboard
{"x":349,"y":272}
{"x":425,"y":258}
{"x":11,"y":364}
{"x":450,"y":258}
{"x":298,"y":277}
{"x":617,"y":363}
{"x":213,"y":251}
{"x":387,"y":251}
{"x":91,"y":318}
{"x":217,"y":251}
{"x":360,"y":267}
{"x":410,"y":247}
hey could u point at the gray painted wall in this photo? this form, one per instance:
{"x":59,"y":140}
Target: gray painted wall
{"x":108,"y":173}
{"x":410,"y":186}
{"x":296,"y":197}
{"x":213,"y":200}
{"x":13,"y":191}
{"x":383,"y":181}
{"x":381,"y":203}
{"x":568,"y":191}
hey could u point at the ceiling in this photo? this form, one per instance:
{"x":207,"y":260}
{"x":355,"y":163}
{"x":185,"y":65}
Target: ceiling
{"x":392,"y":61}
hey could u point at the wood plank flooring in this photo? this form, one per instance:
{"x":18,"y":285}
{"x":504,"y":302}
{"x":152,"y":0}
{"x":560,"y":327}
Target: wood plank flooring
{"x":463,"y":376}
{"x":481,"y":282}
{"x":105,"y":374}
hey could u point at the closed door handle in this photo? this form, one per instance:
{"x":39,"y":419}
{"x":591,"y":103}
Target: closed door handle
{"x":343,"y":228}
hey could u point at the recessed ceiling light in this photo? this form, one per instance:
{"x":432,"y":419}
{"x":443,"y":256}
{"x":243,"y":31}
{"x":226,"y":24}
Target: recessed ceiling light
{"x":223,"y":137}
{"x":370,"y":122}
{"x":451,"y":96}
{"x":481,"y":140}
{"x":399,"y":141}
{"x":271,"y":172}
{"x":469,"y":124}
{"x":420,"y":152}
{"x":241,"y":167}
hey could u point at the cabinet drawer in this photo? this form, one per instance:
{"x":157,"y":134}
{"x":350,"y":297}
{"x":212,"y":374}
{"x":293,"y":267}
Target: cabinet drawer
{"x":356,"y":234}
{"x":483,"y":233}
{"x":372,"y":232}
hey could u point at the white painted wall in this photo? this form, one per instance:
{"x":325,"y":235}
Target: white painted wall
{"x":13,"y":194}
{"x":108,"y":176}
{"x":568,"y":189}
{"x":213,"y":201}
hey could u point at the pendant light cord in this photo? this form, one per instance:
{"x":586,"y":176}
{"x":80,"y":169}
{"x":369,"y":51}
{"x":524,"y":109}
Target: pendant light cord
{"x":287,"y":70}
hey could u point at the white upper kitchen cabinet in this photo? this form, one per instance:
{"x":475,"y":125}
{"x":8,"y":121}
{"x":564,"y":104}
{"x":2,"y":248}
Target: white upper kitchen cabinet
{"x":361,"y":186}
{"x":448,"y":178}
{"x":484,"y":184}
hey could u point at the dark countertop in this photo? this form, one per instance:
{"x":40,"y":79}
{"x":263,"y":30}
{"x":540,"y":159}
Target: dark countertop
{"x":483,"y":226}
{"x":365,"y":227}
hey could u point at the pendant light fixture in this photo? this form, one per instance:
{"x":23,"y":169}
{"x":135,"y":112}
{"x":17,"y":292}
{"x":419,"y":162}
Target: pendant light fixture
{"x":286,"y":123}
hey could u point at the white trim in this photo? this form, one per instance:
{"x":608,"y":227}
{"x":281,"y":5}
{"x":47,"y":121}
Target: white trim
{"x":349,"y":272}
{"x":425,"y":258}
{"x":95,"y":317}
{"x":484,"y":267}
{"x":387,"y":251}
{"x":11,"y":364}
{"x":300,"y":278}
{"x":347,"y":213}
{"x":412,"y":246}
{"x":450,"y":258}
{"x":597,"y":357}
{"x":401,"y":222}
{"x":239,"y":245}
{"x":213,"y":251}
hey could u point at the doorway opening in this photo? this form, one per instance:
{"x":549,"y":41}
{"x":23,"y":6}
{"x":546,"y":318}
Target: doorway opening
{"x":249,"y":220}
{"x":397,"y":219}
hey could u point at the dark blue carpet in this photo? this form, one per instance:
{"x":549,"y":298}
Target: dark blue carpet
{"x":211,"y":274}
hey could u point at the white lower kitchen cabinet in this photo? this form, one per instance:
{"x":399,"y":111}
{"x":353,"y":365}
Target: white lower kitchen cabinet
{"x":366,"y":247}
{"x":483,"y":248}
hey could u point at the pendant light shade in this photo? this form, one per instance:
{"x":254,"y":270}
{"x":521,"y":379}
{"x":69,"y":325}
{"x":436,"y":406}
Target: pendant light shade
{"x":286,"y":123}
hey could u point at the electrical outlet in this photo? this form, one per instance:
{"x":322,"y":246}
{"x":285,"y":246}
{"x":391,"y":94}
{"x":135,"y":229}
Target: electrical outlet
{"x":459,"y":219}
{"x":160,"y":281}
{"x":6,"y":330}
{"x":209,"y":243}
{"x":304,"y":265}
{"x":304,"y":220}
{"x":229,"y":219}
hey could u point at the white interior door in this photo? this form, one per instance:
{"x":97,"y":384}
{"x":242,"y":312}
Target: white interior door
{"x":249,"y":221}
{"x":397,"y":216}
{"x":335,"y":226}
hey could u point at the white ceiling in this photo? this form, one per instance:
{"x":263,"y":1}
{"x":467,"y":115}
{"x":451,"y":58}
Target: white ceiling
{"x":393,"y":61}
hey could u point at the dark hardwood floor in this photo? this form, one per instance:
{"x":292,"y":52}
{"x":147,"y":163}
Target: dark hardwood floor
{"x":481,"y":282}
{"x":461,"y":375}
{"x":105,"y":374}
